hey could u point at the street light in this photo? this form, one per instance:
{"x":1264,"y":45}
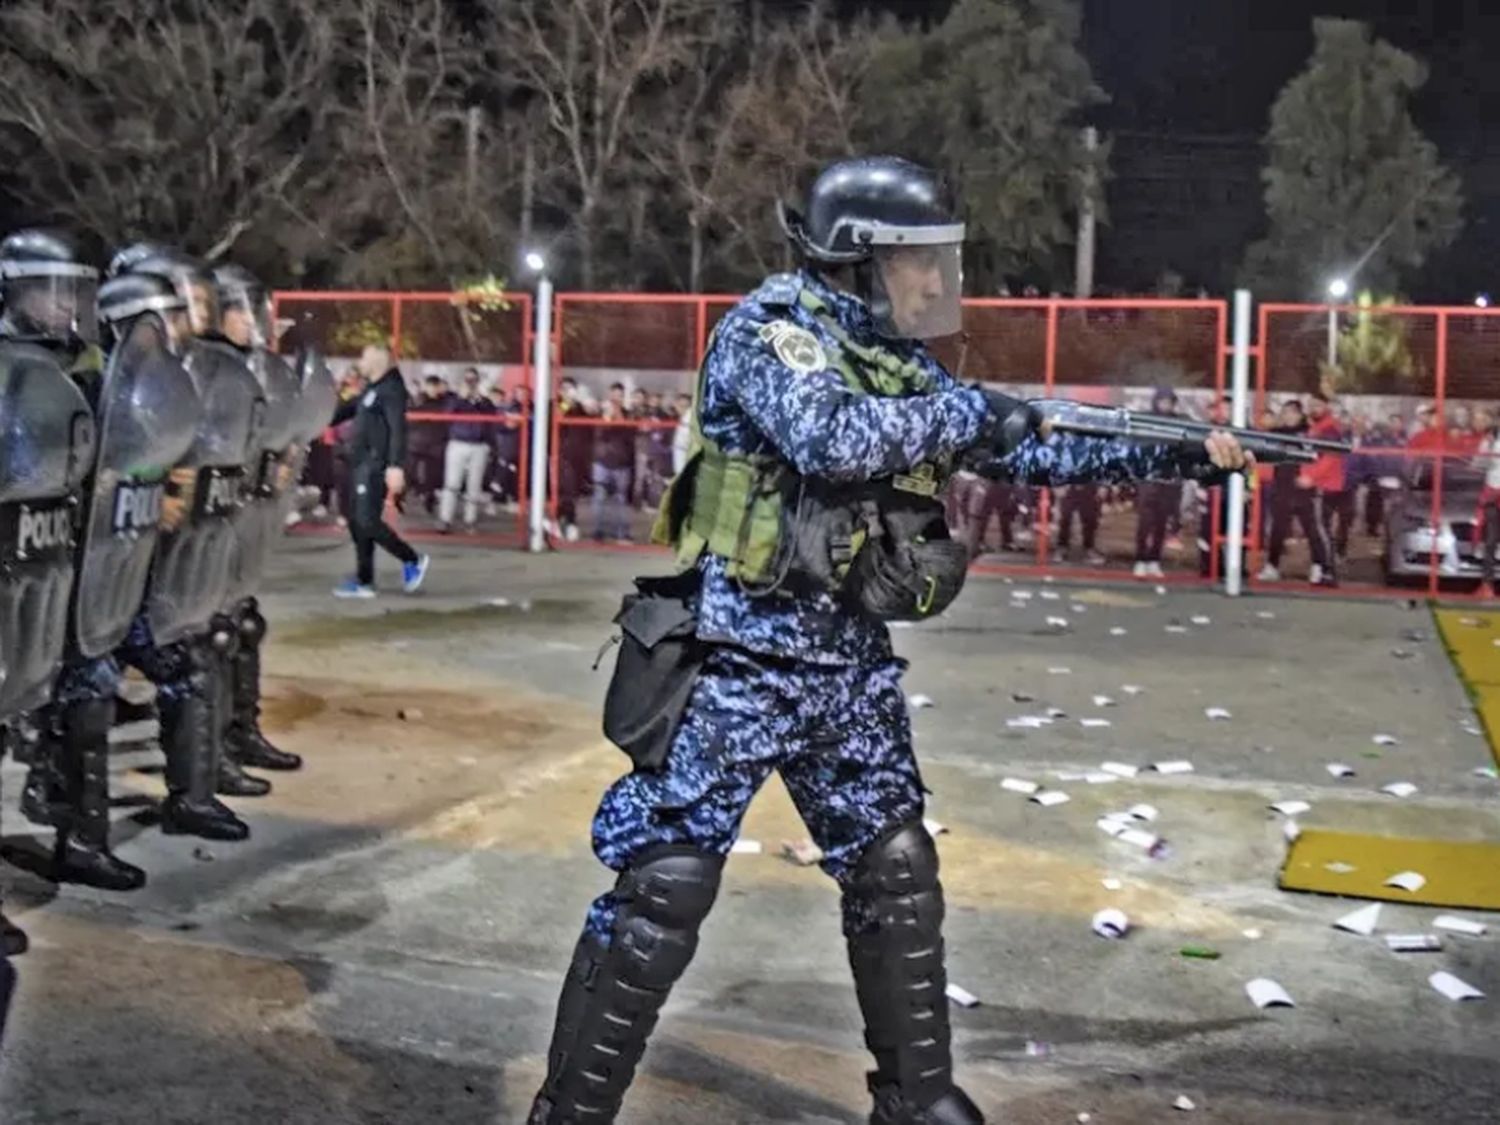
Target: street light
{"x":535,"y":262}
{"x":1338,"y":289}
{"x":541,"y":401}
{"x":1482,"y":301}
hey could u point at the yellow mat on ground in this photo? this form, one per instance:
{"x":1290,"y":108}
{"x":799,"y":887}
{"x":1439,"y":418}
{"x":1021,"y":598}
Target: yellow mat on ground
{"x":1470,"y":637}
{"x":1458,"y":873}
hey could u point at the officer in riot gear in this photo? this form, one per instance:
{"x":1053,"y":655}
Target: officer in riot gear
{"x":146,"y":412}
{"x":47,"y":322}
{"x":245,"y":311}
{"x":171,"y":640}
{"x":803,"y":521}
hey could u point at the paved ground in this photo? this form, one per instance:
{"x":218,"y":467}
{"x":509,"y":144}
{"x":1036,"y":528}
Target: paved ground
{"x":388,"y":947}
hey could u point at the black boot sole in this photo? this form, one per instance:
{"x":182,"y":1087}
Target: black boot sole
{"x":284,"y":765}
{"x":238,"y":789}
{"x":229,"y":832}
{"x":84,"y":877}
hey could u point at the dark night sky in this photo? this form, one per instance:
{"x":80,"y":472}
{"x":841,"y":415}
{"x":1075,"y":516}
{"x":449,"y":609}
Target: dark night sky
{"x":1191,"y":84}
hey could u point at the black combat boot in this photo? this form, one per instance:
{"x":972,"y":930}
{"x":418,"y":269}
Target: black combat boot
{"x":13,"y":939}
{"x":243,"y":740}
{"x":44,"y":800}
{"x":230,"y":778}
{"x":192,"y":771}
{"x":613,"y":994}
{"x":81,"y":854}
{"x":902,"y":984}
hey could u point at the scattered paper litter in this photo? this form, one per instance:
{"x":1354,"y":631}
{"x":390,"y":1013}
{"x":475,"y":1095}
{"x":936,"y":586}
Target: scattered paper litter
{"x":409,"y":714}
{"x":1201,"y":619}
{"x":1338,"y":867}
{"x":500,"y":602}
{"x":1056,"y":713}
{"x":1070,"y":775}
{"x":1094,"y":723}
{"x":1143,"y":812}
{"x":1103,"y":701}
{"x":933,"y":827}
{"x":1109,"y":825}
{"x":1021,"y":595}
{"x":1252,"y":934}
{"x":1453,"y":988}
{"x":1338,"y":769}
{"x":1117,"y":631}
{"x":1177,"y":628}
{"x":1078,"y":607}
{"x":1402,"y":653}
{"x":1265,"y":615}
{"x":1059,"y":671}
{"x":1137,"y":838}
{"x":1184,"y":1102}
{"x":1161,"y":589}
{"x":1019,"y":785}
{"x":1361,"y":921}
{"x":1487,"y":771}
{"x":1057,"y":622}
{"x":1471,"y":622}
{"x":1049,"y":797}
{"x":1132,"y":689}
{"x":1216,"y":712}
{"x":961,"y":996}
{"x":1022,"y":697}
{"x":1458,"y":925}
{"x":1291,"y":808}
{"x":1084,"y":1118}
{"x":804,"y":853}
{"x":1291,"y":830}
{"x":1111,"y":923}
{"x":747,"y":847}
{"x":1268,"y":994}
{"x":1386,"y":740}
{"x":1050,"y":595}
{"x":1414,"y":943}
{"x":1036,"y":1049}
{"x":1099,"y":777}
{"x":1173,"y":767}
{"x":1111,"y":884}
{"x":919,"y":702}
{"x":1120,"y":769}
{"x":1399,"y":789}
{"x":1407,"y":881}
{"x":1027,"y":722}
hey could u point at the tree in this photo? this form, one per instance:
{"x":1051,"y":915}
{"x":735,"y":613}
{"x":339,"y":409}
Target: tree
{"x":993,"y":95}
{"x":188,"y":121}
{"x":1353,"y":188}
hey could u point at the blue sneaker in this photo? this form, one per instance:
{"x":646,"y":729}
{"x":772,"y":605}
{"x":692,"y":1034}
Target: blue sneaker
{"x":353,"y":588}
{"x":413,"y":573}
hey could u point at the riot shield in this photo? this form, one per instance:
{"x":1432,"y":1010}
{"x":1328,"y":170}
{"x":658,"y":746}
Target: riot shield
{"x":46,"y":448}
{"x":147,"y":416}
{"x":258,"y":522}
{"x":194,"y":559}
{"x":315,"y":404}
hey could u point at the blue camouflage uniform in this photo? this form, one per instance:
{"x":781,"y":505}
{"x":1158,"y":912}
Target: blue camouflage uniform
{"x":800,"y":684}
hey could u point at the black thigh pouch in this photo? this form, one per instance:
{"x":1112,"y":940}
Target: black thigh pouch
{"x":659,"y":660}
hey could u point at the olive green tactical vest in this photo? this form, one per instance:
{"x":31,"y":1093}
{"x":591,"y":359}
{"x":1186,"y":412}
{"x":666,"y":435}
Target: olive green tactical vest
{"x":732,"y":504}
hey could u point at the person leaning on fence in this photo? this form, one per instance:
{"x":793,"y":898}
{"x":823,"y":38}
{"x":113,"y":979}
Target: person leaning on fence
{"x":1156,"y":503}
{"x":467,"y":454}
{"x":613,"y":469}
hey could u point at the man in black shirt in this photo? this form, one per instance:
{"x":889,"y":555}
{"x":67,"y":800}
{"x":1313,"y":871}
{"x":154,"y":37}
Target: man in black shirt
{"x":377,"y":453}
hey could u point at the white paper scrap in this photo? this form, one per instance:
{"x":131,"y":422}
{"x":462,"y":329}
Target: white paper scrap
{"x":1453,"y":988}
{"x":1056,"y":713}
{"x":1414,"y":943}
{"x":1021,"y":595}
{"x":1268,"y":994}
{"x":1386,"y":740}
{"x":1019,"y":785}
{"x":1111,"y":923}
{"x":1184,"y":1103}
{"x":920,"y":702}
{"x":1252,"y":934}
{"x":1120,"y":769}
{"x":1099,"y":777}
{"x":1458,"y":925}
{"x":933,"y":827}
{"x":1059,"y":671}
{"x":1050,"y":797}
{"x":1143,"y":812}
{"x":1177,"y":628}
{"x":1265,"y":615}
{"x":1339,"y":868}
{"x":1399,"y":789}
{"x":1338,"y":769}
{"x":961,"y":996}
{"x":1407,"y":881}
{"x":1050,"y":595}
{"x":1069,"y":775}
{"x":1291,"y":808}
{"x":1111,"y":884}
{"x":1216,"y":712}
{"x":1137,"y":838}
{"x":1201,"y":619}
{"x":1057,"y":622}
{"x":1094,"y":724}
{"x":1117,"y":631}
{"x":1161,"y":589}
{"x":747,"y":847}
{"x":1078,"y":607}
{"x":1291,"y":830}
{"x":1173,"y":767}
{"x":1361,"y":921}
{"x":1109,"y":825}
{"x":1103,"y":701}
{"x":1027,"y":722}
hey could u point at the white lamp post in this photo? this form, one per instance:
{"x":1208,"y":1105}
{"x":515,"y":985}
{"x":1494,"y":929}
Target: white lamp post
{"x":541,"y":402}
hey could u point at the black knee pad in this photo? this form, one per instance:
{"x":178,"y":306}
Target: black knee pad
{"x":898,"y":876}
{"x":663,"y":901}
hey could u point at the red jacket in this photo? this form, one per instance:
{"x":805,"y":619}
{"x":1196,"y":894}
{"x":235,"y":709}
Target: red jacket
{"x":1327,"y":472}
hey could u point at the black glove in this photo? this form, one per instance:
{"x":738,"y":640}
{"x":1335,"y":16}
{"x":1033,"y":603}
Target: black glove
{"x":1012,"y":420}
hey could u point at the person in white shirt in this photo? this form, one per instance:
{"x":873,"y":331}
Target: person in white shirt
{"x":682,"y":436}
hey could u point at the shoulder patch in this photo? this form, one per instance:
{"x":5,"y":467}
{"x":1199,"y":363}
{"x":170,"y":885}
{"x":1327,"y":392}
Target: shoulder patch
{"x":780,"y":290}
{"x":795,"y":346}
{"x":369,"y":399}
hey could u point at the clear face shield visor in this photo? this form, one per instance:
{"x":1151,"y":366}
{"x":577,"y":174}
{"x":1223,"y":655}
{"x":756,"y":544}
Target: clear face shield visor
{"x":918,"y":280}
{"x":55,"y":300}
{"x":247,"y":317}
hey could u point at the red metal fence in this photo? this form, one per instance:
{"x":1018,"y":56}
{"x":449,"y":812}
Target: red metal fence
{"x":610,"y":460}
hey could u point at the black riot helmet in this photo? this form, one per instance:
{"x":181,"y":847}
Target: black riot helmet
{"x":896,"y":224}
{"x":245,"y":306}
{"x":130,"y":295}
{"x":190,"y":277}
{"x":48,"y":294}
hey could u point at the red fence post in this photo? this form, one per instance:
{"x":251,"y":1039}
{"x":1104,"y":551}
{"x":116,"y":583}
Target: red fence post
{"x":1440,"y":460}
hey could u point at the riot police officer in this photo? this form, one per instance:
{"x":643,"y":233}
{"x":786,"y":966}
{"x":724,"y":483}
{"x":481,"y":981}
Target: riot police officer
{"x":146,"y":412}
{"x":805,"y":518}
{"x":48,"y":298}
